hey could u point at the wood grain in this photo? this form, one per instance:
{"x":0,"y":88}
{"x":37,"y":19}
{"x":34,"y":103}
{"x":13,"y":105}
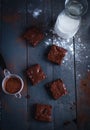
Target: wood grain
{"x":14,"y":111}
{"x":70,"y":111}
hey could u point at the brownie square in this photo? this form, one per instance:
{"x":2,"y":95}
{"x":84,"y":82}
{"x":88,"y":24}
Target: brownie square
{"x":43,"y":112}
{"x":34,"y":36}
{"x":56,"y":54}
{"x":57,"y":88}
{"x":35,"y":74}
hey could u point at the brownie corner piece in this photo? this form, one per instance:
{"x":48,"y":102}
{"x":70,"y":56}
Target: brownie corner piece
{"x":57,"y":88}
{"x":56,"y":54}
{"x":43,"y":112}
{"x":35,"y":74}
{"x":34,"y":36}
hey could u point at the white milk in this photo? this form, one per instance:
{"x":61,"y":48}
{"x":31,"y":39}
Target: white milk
{"x":65,"y":26}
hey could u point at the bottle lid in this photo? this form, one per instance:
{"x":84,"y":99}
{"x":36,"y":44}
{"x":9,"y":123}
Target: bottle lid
{"x":76,"y":8}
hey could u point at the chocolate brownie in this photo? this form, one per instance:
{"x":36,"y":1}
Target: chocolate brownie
{"x":57,"y":88}
{"x":56,"y":54}
{"x":43,"y":112}
{"x":36,"y":74}
{"x":34,"y":36}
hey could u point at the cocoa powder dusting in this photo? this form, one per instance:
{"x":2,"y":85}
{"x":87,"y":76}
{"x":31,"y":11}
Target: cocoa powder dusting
{"x":82,"y":118}
{"x":84,"y":101}
{"x":88,"y":76}
{"x":11,"y":18}
{"x":19,"y":39}
{"x":11,"y":66}
{"x":5,"y":106}
{"x":85,"y":86}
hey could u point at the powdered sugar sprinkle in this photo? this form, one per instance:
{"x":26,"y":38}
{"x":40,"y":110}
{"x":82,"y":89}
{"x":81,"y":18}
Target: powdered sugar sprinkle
{"x":68,"y":44}
{"x":36,"y":13}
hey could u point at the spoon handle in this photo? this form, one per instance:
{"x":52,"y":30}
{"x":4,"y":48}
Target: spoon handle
{"x":2,"y":62}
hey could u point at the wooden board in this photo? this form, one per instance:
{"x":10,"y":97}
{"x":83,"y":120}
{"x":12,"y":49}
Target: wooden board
{"x":14,"y":111}
{"x":82,"y":61}
{"x":70,"y":112}
{"x":61,"y":108}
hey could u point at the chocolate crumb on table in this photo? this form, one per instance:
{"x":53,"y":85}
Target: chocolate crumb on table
{"x":66,"y":123}
{"x":27,"y":96}
{"x":43,"y":112}
{"x":34,"y":36}
{"x":35,"y":74}
{"x":75,"y":121}
{"x":57,"y":88}
{"x":56,"y":54}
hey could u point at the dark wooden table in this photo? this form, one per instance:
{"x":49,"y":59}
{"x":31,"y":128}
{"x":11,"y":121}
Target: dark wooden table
{"x":70,"y":112}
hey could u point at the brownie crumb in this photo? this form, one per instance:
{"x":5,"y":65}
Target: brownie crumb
{"x":74,"y":103}
{"x":66,"y":123}
{"x":71,"y":108}
{"x":27,"y":96}
{"x":75,"y":121}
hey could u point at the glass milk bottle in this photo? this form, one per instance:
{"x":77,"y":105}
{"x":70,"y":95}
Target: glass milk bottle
{"x":68,"y":21}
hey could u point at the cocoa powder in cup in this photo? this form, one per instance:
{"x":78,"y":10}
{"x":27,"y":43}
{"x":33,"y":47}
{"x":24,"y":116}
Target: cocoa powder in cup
{"x":13,"y":85}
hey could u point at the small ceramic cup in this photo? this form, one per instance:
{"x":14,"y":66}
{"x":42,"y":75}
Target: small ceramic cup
{"x":8,"y":75}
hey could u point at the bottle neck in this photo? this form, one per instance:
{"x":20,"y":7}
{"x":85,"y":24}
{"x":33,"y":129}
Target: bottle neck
{"x":70,"y":15}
